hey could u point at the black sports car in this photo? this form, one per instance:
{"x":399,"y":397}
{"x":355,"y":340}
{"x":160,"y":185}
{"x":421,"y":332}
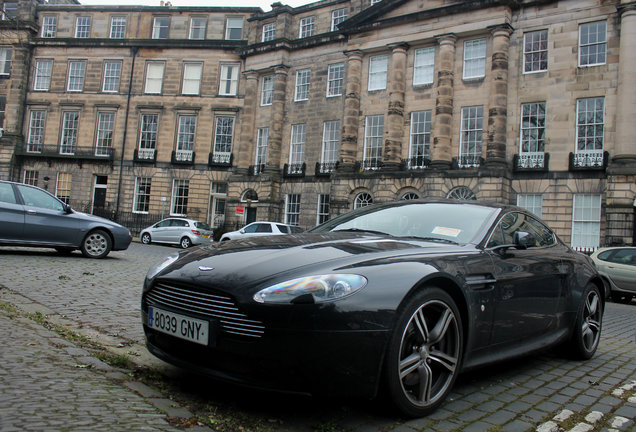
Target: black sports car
{"x":406,"y":294}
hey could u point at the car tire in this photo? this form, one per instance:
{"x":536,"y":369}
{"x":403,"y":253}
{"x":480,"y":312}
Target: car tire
{"x":185,"y":242}
{"x":96,"y":244}
{"x":145,"y":238}
{"x":587,"y":327}
{"x":425,"y":352}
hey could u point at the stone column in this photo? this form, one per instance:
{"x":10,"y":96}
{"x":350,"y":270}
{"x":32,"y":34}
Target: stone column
{"x":625,"y":145}
{"x":621,"y":179}
{"x":246,"y":149}
{"x":395,"y":117}
{"x":443,"y":120}
{"x":498,"y":102}
{"x":351,"y":118}
{"x":273,"y":164}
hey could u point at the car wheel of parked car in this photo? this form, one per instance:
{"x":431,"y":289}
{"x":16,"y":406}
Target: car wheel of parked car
{"x":425,"y":352}
{"x":64,"y":250}
{"x":587,"y":328}
{"x":186,"y":242}
{"x":145,"y":238}
{"x":96,"y":244}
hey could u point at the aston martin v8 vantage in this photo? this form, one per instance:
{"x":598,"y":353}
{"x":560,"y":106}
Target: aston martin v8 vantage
{"x":398,"y":298}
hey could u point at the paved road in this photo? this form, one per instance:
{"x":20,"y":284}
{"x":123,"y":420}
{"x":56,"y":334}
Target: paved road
{"x":44,"y":380}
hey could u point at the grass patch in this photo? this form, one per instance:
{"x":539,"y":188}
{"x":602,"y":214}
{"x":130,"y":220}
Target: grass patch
{"x":11,"y":311}
{"x":115,"y":360}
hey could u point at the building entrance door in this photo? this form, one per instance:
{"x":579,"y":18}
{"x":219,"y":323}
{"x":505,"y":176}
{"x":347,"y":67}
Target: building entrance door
{"x":99,"y":194}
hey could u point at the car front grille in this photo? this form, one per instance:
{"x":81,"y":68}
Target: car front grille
{"x":215,"y":306}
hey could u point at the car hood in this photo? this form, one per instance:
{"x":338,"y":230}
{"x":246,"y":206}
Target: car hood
{"x":257,"y":260}
{"x":92,"y":218}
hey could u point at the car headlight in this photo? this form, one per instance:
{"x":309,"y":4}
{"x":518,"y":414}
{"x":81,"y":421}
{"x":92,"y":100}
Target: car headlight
{"x":157,"y":268}
{"x":321,"y":288}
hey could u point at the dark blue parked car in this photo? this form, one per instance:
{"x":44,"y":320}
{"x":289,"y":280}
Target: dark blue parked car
{"x":30,"y":216}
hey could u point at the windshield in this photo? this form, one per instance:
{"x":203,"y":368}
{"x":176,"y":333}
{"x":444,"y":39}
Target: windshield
{"x":202,"y":225}
{"x":459,"y":223}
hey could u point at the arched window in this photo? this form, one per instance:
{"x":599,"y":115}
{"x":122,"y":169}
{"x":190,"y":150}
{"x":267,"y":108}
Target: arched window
{"x":363,"y":199}
{"x":410,"y":196}
{"x":249,"y":195}
{"x":462,"y":193}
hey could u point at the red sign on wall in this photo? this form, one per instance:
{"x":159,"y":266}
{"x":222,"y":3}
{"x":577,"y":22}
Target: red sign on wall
{"x":240,"y":210}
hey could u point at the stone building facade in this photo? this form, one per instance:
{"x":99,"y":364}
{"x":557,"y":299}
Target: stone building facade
{"x":298,"y":114}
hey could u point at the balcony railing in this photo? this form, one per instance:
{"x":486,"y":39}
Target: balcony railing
{"x":220,"y":159}
{"x":294,"y":170}
{"x":417,"y":162}
{"x":145,"y":155}
{"x":53,"y":151}
{"x":589,"y":160}
{"x":256,"y":169}
{"x":371,"y":164}
{"x":185,"y":157}
{"x":325,"y":168}
{"x":470,"y":161}
{"x":531,"y":161}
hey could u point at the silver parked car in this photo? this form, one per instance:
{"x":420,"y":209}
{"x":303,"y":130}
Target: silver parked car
{"x":617,"y":267}
{"x":179,"y":231}
{"x":261,"y":229}
{"x":30,"y":216}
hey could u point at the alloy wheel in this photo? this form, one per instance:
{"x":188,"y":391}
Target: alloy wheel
{"x":96,"y":244}
{"x":591,"y":323}
{"x":429,"y":353}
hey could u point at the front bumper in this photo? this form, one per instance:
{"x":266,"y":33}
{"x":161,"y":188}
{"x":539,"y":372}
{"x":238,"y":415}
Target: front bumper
{"x":344,"y":363}
{"x":121,"y":240}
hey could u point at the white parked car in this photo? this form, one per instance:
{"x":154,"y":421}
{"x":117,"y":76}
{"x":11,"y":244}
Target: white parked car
{"x":617,"y":267}
{"x":179,"y":231}
{"x":261,"y":229}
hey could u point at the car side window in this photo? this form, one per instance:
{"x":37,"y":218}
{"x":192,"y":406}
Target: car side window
{"x":179,"y":223}
{"x":283,"y":228}
{"x":513,"y":222}
{"x":502,"y":235}
{"x":163,"y":224}
{"x":605,"y":256}
{"x":544,"y":236}
{"x":38,"y":198}
{"x":6,"y":193}
{"x":263,"y":228}
{"x":250,"y":228}
{"x":624,"y":256}
{"x":497,"y":237}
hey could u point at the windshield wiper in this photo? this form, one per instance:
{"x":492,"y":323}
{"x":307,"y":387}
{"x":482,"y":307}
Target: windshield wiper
{"x":362,"y":231}
{"x":435,"y":239}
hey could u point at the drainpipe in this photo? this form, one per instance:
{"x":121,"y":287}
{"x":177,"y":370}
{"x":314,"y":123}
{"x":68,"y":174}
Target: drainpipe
{"x":14,"y":170}
{"x":123,"y":141}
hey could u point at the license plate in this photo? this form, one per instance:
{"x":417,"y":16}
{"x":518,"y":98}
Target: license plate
{"x":205,"y":236}
{"x":178,"y":325}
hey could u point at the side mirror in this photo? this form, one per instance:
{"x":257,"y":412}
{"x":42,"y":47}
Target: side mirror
{"x":67,"y":209}
{"x":523,"y":240}
{"x":242,"y":231}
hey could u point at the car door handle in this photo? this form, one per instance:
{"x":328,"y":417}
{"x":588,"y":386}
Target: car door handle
{"x":31,"y":212}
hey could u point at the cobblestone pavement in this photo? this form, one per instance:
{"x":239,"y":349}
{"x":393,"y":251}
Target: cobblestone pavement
{"x":47,"y":386}
{"x":100,"y":298}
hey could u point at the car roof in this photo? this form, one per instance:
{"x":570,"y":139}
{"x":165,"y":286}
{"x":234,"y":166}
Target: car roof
{"x":490,"y":204}
{"x":270,"y":222}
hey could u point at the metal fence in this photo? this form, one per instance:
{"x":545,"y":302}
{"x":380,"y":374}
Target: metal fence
{"x":135,"y":222}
